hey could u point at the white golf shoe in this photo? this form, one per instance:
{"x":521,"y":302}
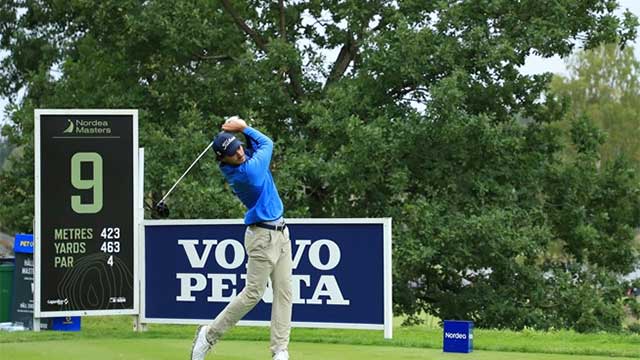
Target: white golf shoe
{"x":201,"y":345}
{"x":281,"y":355}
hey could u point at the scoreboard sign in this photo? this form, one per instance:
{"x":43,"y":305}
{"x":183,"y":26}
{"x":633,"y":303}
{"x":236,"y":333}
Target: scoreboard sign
{"x":85,"y":221}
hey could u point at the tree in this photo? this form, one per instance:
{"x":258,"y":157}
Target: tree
{"x":5,"y":150}
{"x":465,"y":179}
{"x":604,"y":85}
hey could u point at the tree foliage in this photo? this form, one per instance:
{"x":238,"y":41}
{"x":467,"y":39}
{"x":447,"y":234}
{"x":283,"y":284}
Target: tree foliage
{"x":604,"y":85}
{"x":5,"y":150}
{"x":409,"y":109}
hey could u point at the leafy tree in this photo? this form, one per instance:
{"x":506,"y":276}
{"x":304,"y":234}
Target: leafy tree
{"x":5,"y":150}
{"x":422,"y":115}
{"x":604,"y":85}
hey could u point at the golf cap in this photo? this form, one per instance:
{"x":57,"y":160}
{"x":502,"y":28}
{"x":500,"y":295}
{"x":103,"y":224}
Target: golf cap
{"x":225,"y":144}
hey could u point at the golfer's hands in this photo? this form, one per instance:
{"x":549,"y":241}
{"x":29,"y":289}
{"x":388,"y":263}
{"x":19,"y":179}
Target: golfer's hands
{"x":234,"y":124}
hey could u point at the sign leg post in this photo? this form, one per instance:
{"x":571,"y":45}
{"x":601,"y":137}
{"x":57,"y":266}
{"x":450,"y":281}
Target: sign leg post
{"x":138,"y":326}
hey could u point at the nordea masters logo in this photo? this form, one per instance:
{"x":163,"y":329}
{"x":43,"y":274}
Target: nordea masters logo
{"x":87,"y":127}
{"x":457,"y":336}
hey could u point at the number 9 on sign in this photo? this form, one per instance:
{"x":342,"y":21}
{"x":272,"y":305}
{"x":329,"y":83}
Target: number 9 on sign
{"x":94,"y":183}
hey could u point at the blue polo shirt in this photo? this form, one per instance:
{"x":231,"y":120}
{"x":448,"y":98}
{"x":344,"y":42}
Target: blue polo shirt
{"x":252,"y":181}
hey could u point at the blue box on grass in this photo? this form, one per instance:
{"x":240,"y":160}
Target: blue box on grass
{"x":67,"y":323}
{"x":458,"y":336}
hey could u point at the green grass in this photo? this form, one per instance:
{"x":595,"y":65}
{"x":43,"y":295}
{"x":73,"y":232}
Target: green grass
{"x":159,"y":349}
{"x":416,"y":342}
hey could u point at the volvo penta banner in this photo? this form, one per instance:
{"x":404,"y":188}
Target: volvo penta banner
{"x":341,"y":272}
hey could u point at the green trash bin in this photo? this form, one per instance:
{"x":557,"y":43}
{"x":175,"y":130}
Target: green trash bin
{"x":6,"y":290}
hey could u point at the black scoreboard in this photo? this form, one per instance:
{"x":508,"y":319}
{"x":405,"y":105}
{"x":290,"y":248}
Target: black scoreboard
{"x":85,"y":221}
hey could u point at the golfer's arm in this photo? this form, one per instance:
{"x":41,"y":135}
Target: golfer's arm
{"x":263,"y":149}
{"x":250,"y":142}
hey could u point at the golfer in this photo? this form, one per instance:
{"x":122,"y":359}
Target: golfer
{"x":266,"y":239}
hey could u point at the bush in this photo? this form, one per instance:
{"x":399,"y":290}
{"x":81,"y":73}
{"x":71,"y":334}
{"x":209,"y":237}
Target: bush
{"x":634,"y":328}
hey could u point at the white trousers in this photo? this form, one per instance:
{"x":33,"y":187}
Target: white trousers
{"x":269,"y":254}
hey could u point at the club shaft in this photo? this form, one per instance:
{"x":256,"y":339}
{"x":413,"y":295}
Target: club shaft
{"x":185,"y":173}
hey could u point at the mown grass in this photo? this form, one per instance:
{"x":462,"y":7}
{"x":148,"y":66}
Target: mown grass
{"x":421,"y":336}
{"x":171,"y":349}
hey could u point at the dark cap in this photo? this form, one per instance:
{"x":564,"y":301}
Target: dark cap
{"x":225,"y":144}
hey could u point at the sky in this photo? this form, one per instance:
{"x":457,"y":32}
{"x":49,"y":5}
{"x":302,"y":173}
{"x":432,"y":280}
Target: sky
{"x":533,"y":64}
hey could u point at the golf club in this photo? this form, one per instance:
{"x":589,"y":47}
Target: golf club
{"x":161,"y":206}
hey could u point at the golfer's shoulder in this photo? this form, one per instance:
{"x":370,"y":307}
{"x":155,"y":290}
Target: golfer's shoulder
{"x":231,"y":172}
{"x":237,"y":173}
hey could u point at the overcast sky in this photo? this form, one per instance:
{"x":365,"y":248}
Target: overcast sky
{"x":533,"y":64}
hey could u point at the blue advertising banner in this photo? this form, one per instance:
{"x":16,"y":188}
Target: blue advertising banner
{"x":457,"y":336}
{"x":341,"y":276}
{"x":23,"y":244}
{"x":22,"y":309}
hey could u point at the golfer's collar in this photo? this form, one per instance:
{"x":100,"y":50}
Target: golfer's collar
{"x":225,"y":165}
{"x":247,"y":158}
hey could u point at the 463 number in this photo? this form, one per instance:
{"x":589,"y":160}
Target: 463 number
{"x":110,"y":247}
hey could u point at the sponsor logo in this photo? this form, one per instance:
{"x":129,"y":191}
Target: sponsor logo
{"x":87,"y":127}
{"x":228,"y":142}
{"x":26,"y":243}
{"x":58,"y":302}
{"x":69,"y":129}
{"x":230,"y":254}
{"x":455,"y":336}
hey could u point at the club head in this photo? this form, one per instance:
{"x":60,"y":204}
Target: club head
{"x":162,"y":209}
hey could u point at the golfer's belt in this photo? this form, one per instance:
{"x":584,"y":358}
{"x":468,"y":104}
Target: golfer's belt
{"x":277,"y":225}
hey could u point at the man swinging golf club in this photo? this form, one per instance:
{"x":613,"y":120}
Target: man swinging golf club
{"x":266,"y":239}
